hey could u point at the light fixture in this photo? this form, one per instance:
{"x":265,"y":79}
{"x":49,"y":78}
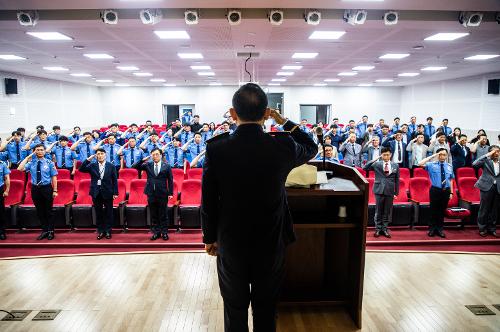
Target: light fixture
{"x":285,"y":73}
{"x":320,"y":84}
{"x":143,"y":74}
{"x":206,"y":73}
{"x":275,"y":16}
{"x":482,"y":57}
{"x":122,"y":84}
{"x":177,"y":34}
{"x":348,"y":73}
{"x":104,"y":81}
{"x":304,"y":55}
{"x":447,"y":36}
{"x":190,"y":55}
{"x":384,"y":80}
{"x":169,"y":84}
{"x":408,"y":74}
{"x":191,"y":16}
{"x":27,"y":18}
{"x":49,"y":35}
{"x":326,"y":34}
{"x":391,"y":17}
{"x":291,"y":67}
{"x":109,"y":16}
{"x":332,"y":80}
{"x":312,"y":17}
{"x":394,"y":56}
{"x":365,"y":84}
{"x":273,"y":84}
{"x":157,"y":80}
{"x":363,"y":68}
{"x":127,"y":68}
{"x":215,"y":84}
{"x":11,"y":57}
{"x":234,"y":16}
{"x":80,"y":75}
{"x":278,"y":80}
{"x":201,"y":67}
{"x":470,"y":19}
{"x":355,"y":16}
{"x":98,"y":56}
{"x":151,"y":16}
{"x":434,"y":68}
{"x":56,"y":68}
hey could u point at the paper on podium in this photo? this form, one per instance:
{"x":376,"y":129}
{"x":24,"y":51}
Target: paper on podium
{"x":305,"y":175}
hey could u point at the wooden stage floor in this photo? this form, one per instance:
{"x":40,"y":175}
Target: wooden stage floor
{"x":179,"y":292}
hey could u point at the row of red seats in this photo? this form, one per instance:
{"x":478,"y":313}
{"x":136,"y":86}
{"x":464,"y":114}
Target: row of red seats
{"x":404,"y":173}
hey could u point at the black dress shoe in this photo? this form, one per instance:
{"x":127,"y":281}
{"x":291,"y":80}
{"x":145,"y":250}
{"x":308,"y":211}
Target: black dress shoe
{"x":431,"y":233}
{"x":376,"y":234}
{"x":386,"y":234}
{"x":441,"y":234}
{"x":42,"y":235}
{"x":108,"y":235}
{"x":100,"y":236}
{"x":155,"y":236}
{"x":3,"y":236}
{"x":164,"y":236}
{"x":494,"y":233}
{"x":482,"y":233}
{"x":50,"y":236}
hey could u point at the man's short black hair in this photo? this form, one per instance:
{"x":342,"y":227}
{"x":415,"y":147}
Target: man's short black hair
{"x":351,"y":121}
{"x":328,"y":146}
{"x":197,"y":134}
{"x":445,"y":119}
{"x":100,"y":150}
{"x":396,"y":118}
{"x":56,"y":128}
{"x":420,"y":125}
{"x":40,"y":127}
{"x":41,"y":132}
{"x":420,"y":134}
{"x":463,"y":135}
{"x":429,"y":118}
{"x":385,"y":126}
{"x":111,"y":135}
{"x":440,"y":134}
{"x":39,"y":145}
{"x":225,"y":122}
{"x":157,"y":149}
{"x":334,"y":126}
{"x":398,"y":132}
{"x":250,"y":102}
{"x":63,"y":138}
{"x":134,"y":125}
{"x":87,"y":133}
{"x":441,"y":149}
{"x":492,"y":147}
{"x":76,"y":127}
{"x":16,"y":133}
{"x":113,"y":125}
{"x":196,"y":116}
{"x":385,"y":149}
{"x":369,"y":125}
{"x":21,"y":129}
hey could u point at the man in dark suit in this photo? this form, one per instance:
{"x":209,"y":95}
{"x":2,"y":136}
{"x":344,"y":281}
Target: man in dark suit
{"x":246,"y":221}
{"x":460,"y":154}
{"x":489,"y":186}
{"x":398,"y":149}
{"x":103,"y":189}
{"x":385,"y":188}
{"x":159,"y":189}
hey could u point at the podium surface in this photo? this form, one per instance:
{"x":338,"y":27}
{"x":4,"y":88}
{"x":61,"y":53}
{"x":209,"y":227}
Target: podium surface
{"x":325,"y":266}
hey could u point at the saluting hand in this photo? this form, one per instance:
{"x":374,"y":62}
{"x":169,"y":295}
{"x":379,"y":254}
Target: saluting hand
{"x":91,"y":157}
{"x":277,"y":116}
{"x":115,"y":197}
{"x":170,"y":197}
{"x":211,"y":249}
{"x":54,"y":194}
{"x":5,"y":193}
{"x":144,"y":159}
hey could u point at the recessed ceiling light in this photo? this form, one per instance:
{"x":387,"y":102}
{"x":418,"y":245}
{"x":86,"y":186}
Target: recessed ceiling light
{"x":291,"y":67}
{"x":56,"y":68}
{"x":394,"y":56}
{"x":304,"y":55}
{"x":434,"y":68}
{"x":206,"y":73}
{"x":201,"y":67}
{"x":418,"y":47}
{"x":78,"y":47}
{"x":278,"y":80}
{"x":143,"y":74}
{"x":169,"y":84}
{"x":332,"y":80}
{"x":98,"y":56}
{"x":122,"y":84}
{"x":157,"y":80}
{"x":408,"y":74}
{"x":273,"y":84}
{"x":172,"y":34}
{"x":326,"y":34}
{"x":127,"y":68}
{"x":320,"y":84}
{"x":482,"y":57}
{"x":348,"y":73}
{"x":363,"y":68}
{"x":384,"y":80}
{"x":11,"y":57}
{"x":215,"y":84}
{"x":49,"y":35}
{"x":80,"y":75}
{"x":365,"y":84}
{"x":104,"y":81}
{"x":190,"y":55}
{"x":285,"y":73}
{"x":447,"y":36}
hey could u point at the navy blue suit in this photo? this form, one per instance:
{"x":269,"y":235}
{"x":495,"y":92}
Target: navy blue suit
{"x":391,"y":143}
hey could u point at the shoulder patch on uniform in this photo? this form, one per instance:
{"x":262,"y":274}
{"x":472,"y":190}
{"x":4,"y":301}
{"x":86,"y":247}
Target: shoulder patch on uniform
{"x":217,"y":137}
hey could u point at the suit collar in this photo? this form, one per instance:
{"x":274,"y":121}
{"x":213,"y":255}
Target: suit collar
{"x":248,"y":128}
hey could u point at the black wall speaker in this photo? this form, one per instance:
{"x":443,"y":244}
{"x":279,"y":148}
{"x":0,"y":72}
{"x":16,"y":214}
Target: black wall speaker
{"x":10,"y":86}
{"x":493,"y":87}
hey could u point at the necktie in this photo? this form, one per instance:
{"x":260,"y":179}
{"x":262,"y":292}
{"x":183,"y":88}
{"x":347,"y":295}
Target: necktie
{"x":386,"y":169}
{"x":88,"y":149}
{"x":112,"y":154}
{"x":465,"y":151}
{"x":39,"y":172}
{"x":131,"y":157}
{"x":443,"y":177}
{"x":399,"y":152}
{"x":156,"y":169}
{"x":63,"y":162}
{"x":18,"y":152}
{"x":198,"y":149}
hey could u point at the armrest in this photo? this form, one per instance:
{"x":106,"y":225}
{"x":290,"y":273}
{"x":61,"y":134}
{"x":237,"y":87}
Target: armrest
{"x":465,"y":201}
{"x":122,"y":203}
{"x":70,"y":203}
{"x":414,"y":201}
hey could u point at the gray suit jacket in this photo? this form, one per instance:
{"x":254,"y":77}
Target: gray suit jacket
{"x":384,"y":184}
{"x":412,"y":147}
{"x":351,"y":157}
{"x":486,"y":181}
{"x":369,"y":149}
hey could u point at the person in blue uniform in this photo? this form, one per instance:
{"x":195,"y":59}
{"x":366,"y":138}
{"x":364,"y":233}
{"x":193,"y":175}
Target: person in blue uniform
{"x":429,"y":129}
{"x":441,"y":174}
{"x":151,"y":143}
{"x":193,"y":148}
{"x":43,"y":187}
{"x":330,"y":154}
{"x":14,"y":147}
{"x":206,"y":133}
{"x":132,"y":131}
{"x":362,"y":126}
{"x":84,"y":147}
{"x":412,"y":126}
{"x":187,"y":117}
{"x":55,"y":135}
{"x":185,"y":134}
{"x":40,"y":138}
{"x":174,"y":154}
{"x":246,"y":227}
{"x":75,"y":135}
{"x":4,"y":192}
{"x":131,"y":153}
{"x":166,"y":137}
{"x":111,"y":148}
{"x":198,"y":161}
{"x":444,"y":127}
{"x":63,"y":156}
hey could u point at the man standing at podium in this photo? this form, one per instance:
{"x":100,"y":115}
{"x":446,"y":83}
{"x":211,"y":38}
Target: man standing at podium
{"x":246,"y":222}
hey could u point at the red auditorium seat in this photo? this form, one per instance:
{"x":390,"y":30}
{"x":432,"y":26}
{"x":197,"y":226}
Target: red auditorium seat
{"x":404,"y":173}
{"x":117,"y":203}
{"x":82,"y":212}
{"x":466,"y":172}
{"x":479,"y":172}
{"x":63,"y":174}
{"x":178,"y":174}
{"x":456,"y":216}
{"x":18,"y":175}
{"x":419,"y":196}
{"x":189,"y":205}
{"x":469,"y":196}
{"x":128,"y":174}
{"x":371,"y":202}
{"x":134,"y":211}
{"x":420,"y":173}
{"x":78,"y":177}
{"x":15,"y":198}
{"x":195,"y":173}
{"x":173,"y":205}
{"x":402,"y":207}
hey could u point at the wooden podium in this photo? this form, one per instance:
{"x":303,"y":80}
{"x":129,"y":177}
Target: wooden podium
{"x":325,"y":266}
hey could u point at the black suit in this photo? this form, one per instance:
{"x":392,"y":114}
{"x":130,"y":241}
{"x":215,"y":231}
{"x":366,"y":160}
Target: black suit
{"x":459,"y":158}
{"x":102,"y":195}
{"x":158,"y":188}
{"x":245,"y":210}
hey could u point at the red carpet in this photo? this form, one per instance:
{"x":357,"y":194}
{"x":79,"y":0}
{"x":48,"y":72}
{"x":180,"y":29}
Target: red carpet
{"x":85,"y":242}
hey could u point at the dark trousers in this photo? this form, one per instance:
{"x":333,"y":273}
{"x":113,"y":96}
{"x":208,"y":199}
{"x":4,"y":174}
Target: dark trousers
{"x":43,"y":200}
{"x":383,"y":209}
{"x":439,"y":203}
{"x":104,"y":213}
{"x":489,"y":210}
{"x":159,"y":214}
{"x":256,"y":281}
{"x":3,"y":218}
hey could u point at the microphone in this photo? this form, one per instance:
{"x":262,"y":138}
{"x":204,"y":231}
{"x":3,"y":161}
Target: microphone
{"x":319,"y":134}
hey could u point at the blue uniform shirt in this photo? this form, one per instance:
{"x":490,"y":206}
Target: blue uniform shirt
{"x":132,"y":156}
{"x":66,"y":159}
{"x":187,"y":119}
{"x":429,"y":130}
{"x":47,"y":170}
{"x":4,"y":170}
{"x":150,"y":146}
{"x":16,"y":152}
{"x":412,"y":127}
{"x":175,"y":157}
{"x":200,"y":162}
{"x":53,"y":138}
{"x":332,"y":160}
{"x":361,"y":129}
{"x":185,"y":136}
{"x":206,"y":135}
{"x":4,"y":156}
{"x":73,"y":138}
{"x":434,"y":170}
{"x":194,"y":150}
{"x":85,"y":150}
{"x":45,"y":143}
{"x":112,"y":153}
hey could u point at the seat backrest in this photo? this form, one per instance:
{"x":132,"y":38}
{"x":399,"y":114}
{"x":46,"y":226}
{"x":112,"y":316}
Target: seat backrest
{"x":78,"y":177}
{"x":28,"y":200}
{"x":361,"y":170}
{"x":63,"y":174}
{"x":420,"y":173}
{"x":466,"y":172}
{"x":467,"y":190}
{"x":122,"y":192}
{"x":195,"y":173}
{"x":178,"y":174}
{"x":65,"y":191}
{"x":191,"y":192}
{"x":404,"y":173}
{"x":17,"y":175}
{"x":173,"y":200}
{"x":16,"y":192}
{"x":419,"y":189}
{"x":83,"y":196}
{"x":128,"y":174}
{"x":136,"y":195}
{"x":371,"y":195}
{"x":403,"y":188}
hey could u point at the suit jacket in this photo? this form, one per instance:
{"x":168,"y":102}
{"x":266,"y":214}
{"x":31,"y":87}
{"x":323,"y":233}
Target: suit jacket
{"x":351,"y":157}
{"x":412,"y":147}
{"x":109,"y":182}
{"x":391,"y":143}
{"x":487,"y":179}
{"x":387,"y":185}
{"x":459,"y":159}
{"x":244,"y":202}
{"x":158,"y":186}
{"x":369,"y":149}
